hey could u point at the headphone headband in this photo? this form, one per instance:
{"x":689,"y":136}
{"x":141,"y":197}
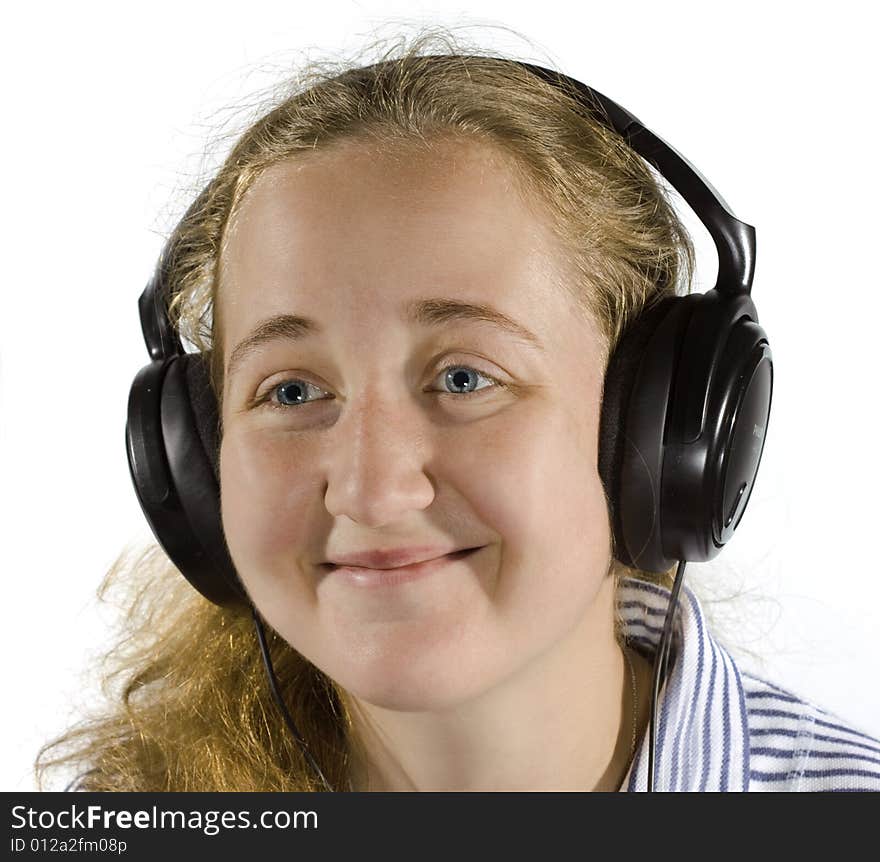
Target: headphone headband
{"x":734,"y":239}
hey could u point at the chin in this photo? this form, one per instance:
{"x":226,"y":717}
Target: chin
{"x":411,"y":687}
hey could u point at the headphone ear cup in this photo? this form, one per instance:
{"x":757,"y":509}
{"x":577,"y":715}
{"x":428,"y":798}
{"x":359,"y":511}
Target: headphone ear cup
{"x":173,"y":449}
{"x":190,"y":428}
{"x":620,"y":378}
{"x":683,"y":419}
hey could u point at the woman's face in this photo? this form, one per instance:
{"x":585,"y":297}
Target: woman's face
{"x":371,"y":445}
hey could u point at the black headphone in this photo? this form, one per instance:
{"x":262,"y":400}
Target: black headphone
{"x":684,"y":414}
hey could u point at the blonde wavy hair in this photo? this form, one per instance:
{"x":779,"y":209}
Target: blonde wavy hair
{"x":189,"y":707}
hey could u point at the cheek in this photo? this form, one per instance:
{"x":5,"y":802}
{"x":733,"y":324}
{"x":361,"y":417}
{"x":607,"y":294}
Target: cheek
{"x":265,"y":500}
{"x":549,"y":508}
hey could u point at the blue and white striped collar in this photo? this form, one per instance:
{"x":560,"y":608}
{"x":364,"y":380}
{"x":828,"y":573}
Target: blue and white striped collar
{"x":702,"y":732}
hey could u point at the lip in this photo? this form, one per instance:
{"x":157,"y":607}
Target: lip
{"x":362,"y":576}
{"x":391,"y":558}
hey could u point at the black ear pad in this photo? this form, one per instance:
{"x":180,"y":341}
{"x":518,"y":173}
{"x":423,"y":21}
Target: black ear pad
{"x":620,"y":377}
{"x":204,"y":407}
{"x":172,"y":444}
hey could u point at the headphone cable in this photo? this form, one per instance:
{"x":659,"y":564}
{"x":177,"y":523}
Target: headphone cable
{"x":276,"y":694}
{"x":660,"y":667}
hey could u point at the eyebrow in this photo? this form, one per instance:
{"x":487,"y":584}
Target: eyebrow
{"x":425,"y":312}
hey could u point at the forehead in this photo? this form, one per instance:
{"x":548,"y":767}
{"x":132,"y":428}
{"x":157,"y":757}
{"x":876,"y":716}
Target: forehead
{"x":349,"y":233}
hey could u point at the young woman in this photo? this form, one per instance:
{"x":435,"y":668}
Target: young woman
{"x":406,"y":284}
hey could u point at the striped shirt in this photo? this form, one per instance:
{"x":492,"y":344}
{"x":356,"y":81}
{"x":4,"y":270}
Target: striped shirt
{"x":720,"y":728}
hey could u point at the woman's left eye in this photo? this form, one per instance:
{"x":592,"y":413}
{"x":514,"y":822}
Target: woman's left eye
{"x":465,"y":376}
{"x":456,"y":377}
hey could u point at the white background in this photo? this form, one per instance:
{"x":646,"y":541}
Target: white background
{"x":110,"y":114}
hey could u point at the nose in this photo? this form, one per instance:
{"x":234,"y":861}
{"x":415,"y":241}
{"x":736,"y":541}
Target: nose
{"x":375,"y":462}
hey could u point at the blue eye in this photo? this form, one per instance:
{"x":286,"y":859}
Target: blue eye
{"x":294,"y":392}
{"x":463,"y":375}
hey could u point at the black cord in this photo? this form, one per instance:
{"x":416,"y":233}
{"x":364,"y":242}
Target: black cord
{"x":276,"y":694}
{"x":660,"y":666}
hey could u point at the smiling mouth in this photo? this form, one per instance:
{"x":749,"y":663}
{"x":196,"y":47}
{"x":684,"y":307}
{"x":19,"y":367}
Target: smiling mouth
{"x":361,"y":576}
